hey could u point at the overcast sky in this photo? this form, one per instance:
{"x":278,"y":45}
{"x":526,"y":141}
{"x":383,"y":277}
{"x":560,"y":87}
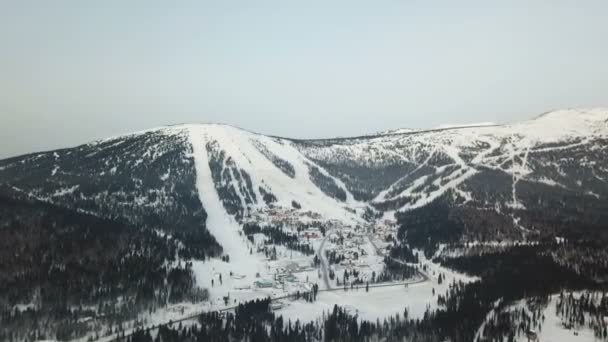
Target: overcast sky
{"x":74,"y":71}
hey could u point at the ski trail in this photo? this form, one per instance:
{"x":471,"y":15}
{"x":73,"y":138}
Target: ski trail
{"x":479,"y":158}
{"x":518,"y":172}
{"x":476,"y":161}
{"x":428,"y":198}
{"x":350,"y":199}
{"x":382,"y":195}
{"x":468,"y":170}
{"x":221,"y":225}
{"x":522,"y":169}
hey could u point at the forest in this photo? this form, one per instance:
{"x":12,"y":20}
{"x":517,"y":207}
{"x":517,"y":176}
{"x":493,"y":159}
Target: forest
{"x":64,"y":267}
{"x":277,"y":236}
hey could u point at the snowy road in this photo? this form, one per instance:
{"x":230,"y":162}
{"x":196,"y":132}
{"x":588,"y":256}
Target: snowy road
{"x":324,"y":266}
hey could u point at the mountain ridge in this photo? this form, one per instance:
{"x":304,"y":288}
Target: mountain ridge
{"x":397,"y":131}
{"x":136,"y":175}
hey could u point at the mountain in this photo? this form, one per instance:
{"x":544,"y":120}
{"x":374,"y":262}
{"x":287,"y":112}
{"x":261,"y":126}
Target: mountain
{"x":533,"y":176}
{"x":162,"y":177}
{"x":154,"y":218}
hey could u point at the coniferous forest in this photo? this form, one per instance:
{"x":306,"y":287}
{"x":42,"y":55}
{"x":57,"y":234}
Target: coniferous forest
{"x":68,"y":266}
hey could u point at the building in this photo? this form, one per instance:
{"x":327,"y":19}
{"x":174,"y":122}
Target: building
{"x":263,"y":283}
{"x":276,"y":305}
{"x":311,"y":234}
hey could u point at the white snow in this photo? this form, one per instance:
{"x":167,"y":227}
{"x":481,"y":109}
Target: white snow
{"x":65,"y":191}
{"x":227,"y":230}
{"x":397,"y":131}
{"x":381,"y":302}
{"x":378,"y":303}
{"x":221,"y":225}
{"x":239,"y":146}
{"x":479,"y":124}
{"x":474,"y":147}
{"x":551,"y":329}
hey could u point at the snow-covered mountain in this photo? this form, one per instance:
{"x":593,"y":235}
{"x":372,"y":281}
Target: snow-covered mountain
{"x":170,"y":178}
{"x":563,"y":149}
{"x":154,"y":217}
{"x":147,"y":178}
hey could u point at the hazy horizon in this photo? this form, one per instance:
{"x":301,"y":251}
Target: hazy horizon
{"x":75,"y":72}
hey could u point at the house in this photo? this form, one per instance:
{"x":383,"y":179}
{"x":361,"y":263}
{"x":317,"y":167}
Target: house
{"x":311,"y":234}
{"x":292,"y":267}
{"x":263,"y":283}
{"x":276,"y":305}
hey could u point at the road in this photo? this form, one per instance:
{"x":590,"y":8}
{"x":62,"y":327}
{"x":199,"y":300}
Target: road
{"x":324,"y":263}
{"x":371,"y":241}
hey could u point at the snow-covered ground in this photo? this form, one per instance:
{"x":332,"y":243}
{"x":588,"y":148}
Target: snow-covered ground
{"x":378,"y":303}
{"x":552,"y":327}
{"x":553,"y":330}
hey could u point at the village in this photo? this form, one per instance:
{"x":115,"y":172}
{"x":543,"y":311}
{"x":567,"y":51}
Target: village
{"x":347,"y":254}
{"x":293,"y":253}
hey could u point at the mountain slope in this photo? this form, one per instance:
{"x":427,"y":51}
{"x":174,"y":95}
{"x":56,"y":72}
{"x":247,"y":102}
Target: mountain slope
{"x":250,"y":175}
{"x":451,"y":156}
{"x":145,"y":178}
{"x":498,"y":181}
{"x":168,"y":178}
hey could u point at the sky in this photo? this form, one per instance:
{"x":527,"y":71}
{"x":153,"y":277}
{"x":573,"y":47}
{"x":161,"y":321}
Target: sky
{"x":76,"y":71}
